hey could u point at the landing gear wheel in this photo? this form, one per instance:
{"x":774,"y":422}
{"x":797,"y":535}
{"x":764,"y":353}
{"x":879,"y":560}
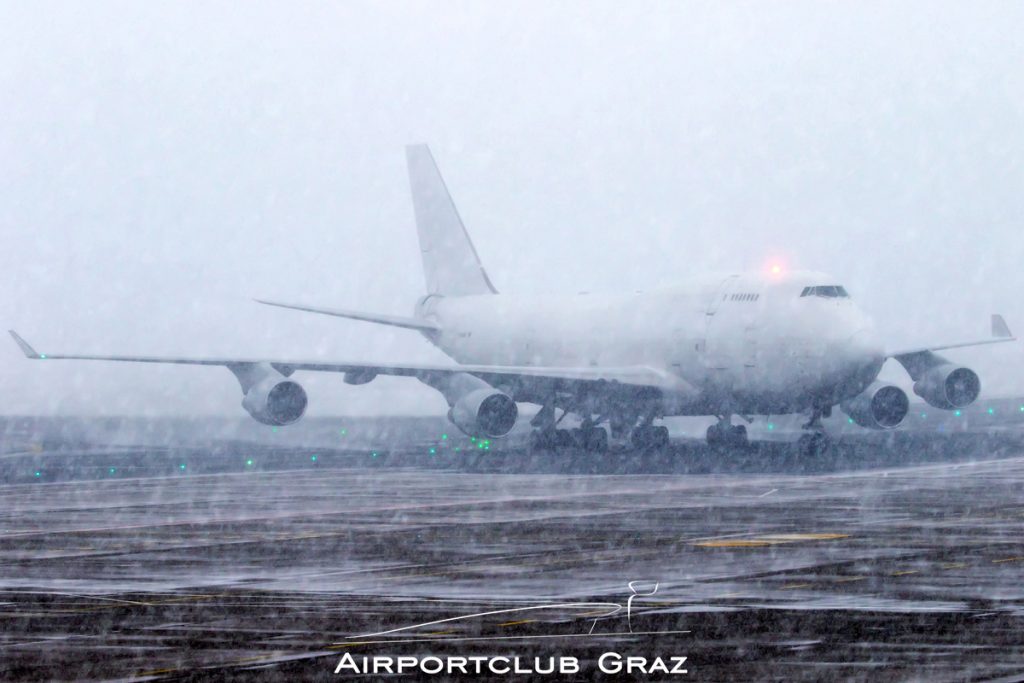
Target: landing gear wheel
{"x":815,"y":444}
{"x":543,"y":440}
{"x":727,"y":436}
{"x":564,"y":439}
{"x":714,"y":436}
{"x":595,"y":440}
{"x":650,"y":437}
{"x":739,"y":435}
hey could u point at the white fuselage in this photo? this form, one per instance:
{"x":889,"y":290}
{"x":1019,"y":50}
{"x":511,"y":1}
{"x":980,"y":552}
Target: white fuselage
{"x":745,"y":343}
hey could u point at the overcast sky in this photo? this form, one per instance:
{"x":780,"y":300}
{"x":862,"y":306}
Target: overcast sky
{"x":162,"y":163}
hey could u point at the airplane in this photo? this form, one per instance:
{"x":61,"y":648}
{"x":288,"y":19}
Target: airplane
{"x":748,"y":344}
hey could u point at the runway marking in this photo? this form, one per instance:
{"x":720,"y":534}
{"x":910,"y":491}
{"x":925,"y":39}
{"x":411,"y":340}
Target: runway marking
{"x":794,"y":586}
{"x":905,"y":572}
{"x":521,"y":621}
{"x":806,"y":537}
{"x":849,"y":579}
{"x":769,"y":539}
{"x":768,"y":493}
{"x":1008,"y":559}
{"x":954,"y":565}
{"x":737,"y":543}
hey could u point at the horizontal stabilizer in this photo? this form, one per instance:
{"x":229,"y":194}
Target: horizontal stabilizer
{"x":380,"y":319}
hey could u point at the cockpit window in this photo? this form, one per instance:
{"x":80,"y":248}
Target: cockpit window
{"x":827,"y":291}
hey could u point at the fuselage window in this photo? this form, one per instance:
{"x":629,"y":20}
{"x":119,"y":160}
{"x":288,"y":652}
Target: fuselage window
{"x":827,"y":291}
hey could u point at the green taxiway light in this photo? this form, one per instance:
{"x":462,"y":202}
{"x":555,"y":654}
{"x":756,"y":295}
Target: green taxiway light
{"x":433,"y":450}
{"x":343,"y":432}
{"x":771,"y":426}
{"x":850,"y":420}
{"x":313,"y":458}
{"x":991,"y":411}
{"x":374,"y":454}
{"x":42,"y":355}
{"x":39,"y":474}
{"x":249,"y":461}
{"x":957,"y":413}
{"x":182,"y":466}
{"x":444,"y":437}
{"x":112,"y":470}
{"x":924,"y":415}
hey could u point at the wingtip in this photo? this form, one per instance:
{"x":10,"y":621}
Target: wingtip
{"x":999,"y":327}
{"x":25,"y":347}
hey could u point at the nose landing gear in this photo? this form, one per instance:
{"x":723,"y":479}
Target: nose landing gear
{"x":817,"y":441}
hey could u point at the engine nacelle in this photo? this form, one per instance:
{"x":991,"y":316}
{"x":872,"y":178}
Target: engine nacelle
{"x":486,"y":412}
{"x":948,"y":386}
{"x":880,"y":406}
{"x":275,"y":400}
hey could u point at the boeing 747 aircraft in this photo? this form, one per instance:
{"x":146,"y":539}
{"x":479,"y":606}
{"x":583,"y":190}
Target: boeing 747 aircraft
{"x":733,"y":345}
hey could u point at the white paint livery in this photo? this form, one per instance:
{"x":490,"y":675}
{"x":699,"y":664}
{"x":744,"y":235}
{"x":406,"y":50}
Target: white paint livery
{"x":745,"y":344}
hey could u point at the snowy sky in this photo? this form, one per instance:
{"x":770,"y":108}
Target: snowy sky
{"x":162,"y":163}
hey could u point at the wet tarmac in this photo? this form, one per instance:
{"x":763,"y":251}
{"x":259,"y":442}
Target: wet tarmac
{"x":229,"y":557}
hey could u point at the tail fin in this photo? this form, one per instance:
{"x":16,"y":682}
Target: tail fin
{"x":450,"y":263}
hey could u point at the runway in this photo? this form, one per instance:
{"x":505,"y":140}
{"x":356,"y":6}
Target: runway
{"x":277,"y":566}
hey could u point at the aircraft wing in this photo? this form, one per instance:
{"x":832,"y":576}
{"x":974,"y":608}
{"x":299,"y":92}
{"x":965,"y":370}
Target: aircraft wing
{"x":919,"y":360}
{"x":1000,"y":334}
{"x":635,"y":376}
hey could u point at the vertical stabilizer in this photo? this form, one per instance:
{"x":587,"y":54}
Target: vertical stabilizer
{"x":450,"y":262}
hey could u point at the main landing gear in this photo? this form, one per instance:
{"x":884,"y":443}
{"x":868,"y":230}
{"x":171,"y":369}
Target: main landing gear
{"x":725,"y":434}
{"x":588,"y":438}
{"x":546,"y":436}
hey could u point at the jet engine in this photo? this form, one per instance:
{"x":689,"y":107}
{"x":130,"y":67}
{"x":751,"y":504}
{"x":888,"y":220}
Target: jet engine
{"x":486,"y":412}
{"x":880,"y":406}
{"x":948,"y":386}
{"x":275,"y":400}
